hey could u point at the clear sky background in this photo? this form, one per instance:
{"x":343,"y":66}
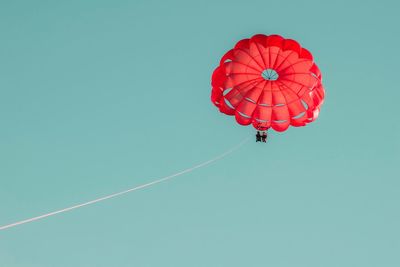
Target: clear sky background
{"x":100,"y":96}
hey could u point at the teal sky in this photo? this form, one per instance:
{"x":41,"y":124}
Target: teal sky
{"x":100,"y":96}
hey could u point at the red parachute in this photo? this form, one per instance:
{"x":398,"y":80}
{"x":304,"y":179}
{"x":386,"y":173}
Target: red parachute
{"x":268,"y":81}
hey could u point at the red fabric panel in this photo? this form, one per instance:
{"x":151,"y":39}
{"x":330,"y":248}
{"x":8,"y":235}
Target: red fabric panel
{"x":260,"y":39}
{"x":263,"y":113}
{"x":280,"y":113}
{"x":285,"y":61}
{"x":245,"y":57}
{"x":255,"y":93}
{"x":271,"y":56}
{"x":298,"y":67}
{"x":228,"y":56}
{"x":296,"y":108}
{"x":256,"y":51}
{"x":238,"y":67}
{"x":289,"y":95}
{"x":274,"y":40}
{"x":241,"y":119}
{"x":277,"y":96}
{"x":306,"y":54}
{"x":224,"y":108}
{"x":292,"y":45}
{"x":246,"y":107}
{"x":315,"y":70}
{"x":242,"y":44}
{"x":234,"y":97}
{"x":266,"y":96}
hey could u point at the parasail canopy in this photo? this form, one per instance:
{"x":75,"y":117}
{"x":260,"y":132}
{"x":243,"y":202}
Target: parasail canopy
{"x":268,"y":81}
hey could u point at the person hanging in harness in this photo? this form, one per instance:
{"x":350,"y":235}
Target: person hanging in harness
{"x":258,"y":136}
{"x":264,"y":137}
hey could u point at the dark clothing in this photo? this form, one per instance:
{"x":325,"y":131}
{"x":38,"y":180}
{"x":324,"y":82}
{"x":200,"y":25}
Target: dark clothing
{"x":258,"y":137}
{"x":264,"y":137}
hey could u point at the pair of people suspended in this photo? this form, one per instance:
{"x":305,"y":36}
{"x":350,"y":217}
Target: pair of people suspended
{"x":261,"y":137}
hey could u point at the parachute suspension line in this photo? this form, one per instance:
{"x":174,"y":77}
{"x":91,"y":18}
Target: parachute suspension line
{"x":226,"y":153}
